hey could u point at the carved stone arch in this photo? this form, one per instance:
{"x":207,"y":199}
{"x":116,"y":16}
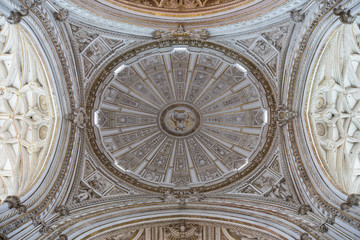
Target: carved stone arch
{"x":313,"y":179}
{"x":40,"y":77}
{"x":332,"y":108}
{"x":116,"y":222}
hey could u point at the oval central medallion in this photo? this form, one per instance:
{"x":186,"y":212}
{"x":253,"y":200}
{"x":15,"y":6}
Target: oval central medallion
{"x":179,"y":119}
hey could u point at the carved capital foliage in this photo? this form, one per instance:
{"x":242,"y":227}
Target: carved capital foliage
{"x":63,"y":237}
{"x":284,"y":115}
{"x":304,"y":209}
{"x":63,"y":210}
{"x":352,"y":200}
{"x":45,"y":229}
{"x":14,"y":202}
{"x":305,"y":236}
{"x":323,"y":228}
{"x":344,"y":15}
{"x":296,"y":16}
{"x":37,"y":221}
{"x":331,"y":220}
{"x":79,"y":118}
{"x":61,"y":15}
{"x":15,"y":16}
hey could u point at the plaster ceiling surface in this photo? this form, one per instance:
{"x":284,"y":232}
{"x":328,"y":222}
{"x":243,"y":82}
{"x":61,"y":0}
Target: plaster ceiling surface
{"x":181,"y":118}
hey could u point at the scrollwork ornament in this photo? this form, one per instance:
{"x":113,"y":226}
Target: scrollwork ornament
{"x":38,"y":2}
{"x":280,"y":191}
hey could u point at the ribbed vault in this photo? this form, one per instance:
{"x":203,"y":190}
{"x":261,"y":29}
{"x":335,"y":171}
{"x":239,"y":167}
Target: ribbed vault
{"x":28,"y":114}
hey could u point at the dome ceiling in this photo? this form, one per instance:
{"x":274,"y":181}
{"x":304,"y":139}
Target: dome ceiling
{"x":227,"y":127}
{"x":181,"y":118}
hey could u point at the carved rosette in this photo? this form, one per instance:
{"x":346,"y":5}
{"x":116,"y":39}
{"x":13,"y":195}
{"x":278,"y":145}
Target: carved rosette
{"x":180,"y":118}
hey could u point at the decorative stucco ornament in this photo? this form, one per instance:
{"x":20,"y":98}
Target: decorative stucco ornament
{"x":352,"y":200}
{"x":304,"y":209}
{"x":344,"y":16}
{"x":16,"y":15}
{"x":61,"y":15}
{"x":27,"y":112}
{"x":181,"y":34}
{"x":14,"y":202}
{"x":297,"y":16}
{"x":284,"y":115}
{"x":334,"y":108}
